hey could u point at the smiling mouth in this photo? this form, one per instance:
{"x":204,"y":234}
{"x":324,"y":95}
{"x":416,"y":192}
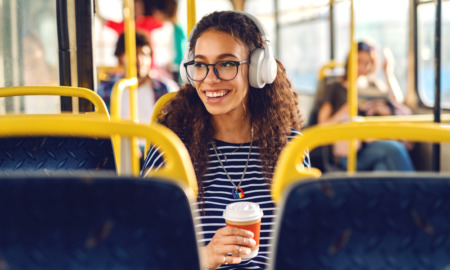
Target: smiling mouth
{"x":216,"y":94}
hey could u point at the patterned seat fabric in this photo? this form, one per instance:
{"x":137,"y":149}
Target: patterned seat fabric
{"x":95,"y":223}
{"x":386,"y":222}
{"x":56,"y":153}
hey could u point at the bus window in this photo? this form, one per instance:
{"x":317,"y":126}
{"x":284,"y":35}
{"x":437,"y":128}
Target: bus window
{"x":426,"y":24}
{"x":304,"y":41}
{"x":29,"y":52}
{"x":389,"y":30}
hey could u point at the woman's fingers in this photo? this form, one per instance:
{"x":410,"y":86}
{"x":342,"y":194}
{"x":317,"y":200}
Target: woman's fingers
{"x":232,"y":260}
{"x":228,"y":230}
{"x":227,"y":246}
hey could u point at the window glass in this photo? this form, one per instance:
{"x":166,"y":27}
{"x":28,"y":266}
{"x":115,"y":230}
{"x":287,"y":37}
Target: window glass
{"x":304,"y":52}
{"x":425,"y":32}
{"x":304,"y":41}
{"x":390,"y":31}
{"x":29,"y":52}
{"x":264,"y":10}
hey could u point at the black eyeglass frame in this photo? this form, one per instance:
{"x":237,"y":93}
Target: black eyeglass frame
{"x":237,"y":63}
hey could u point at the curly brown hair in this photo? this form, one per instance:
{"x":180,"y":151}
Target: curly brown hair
{"x":273,"y":109}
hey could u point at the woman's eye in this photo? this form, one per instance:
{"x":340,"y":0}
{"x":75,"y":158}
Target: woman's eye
{"x":228,"y":64}
{"x":199,"y":64}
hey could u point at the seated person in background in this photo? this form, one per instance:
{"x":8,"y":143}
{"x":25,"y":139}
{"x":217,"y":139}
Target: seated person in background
{"x":149,"y":89}
{"x":373,"y":100}
{"x":234,"y":125}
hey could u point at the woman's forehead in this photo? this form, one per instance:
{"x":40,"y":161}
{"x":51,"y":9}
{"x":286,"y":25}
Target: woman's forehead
{"x":212,"y":43}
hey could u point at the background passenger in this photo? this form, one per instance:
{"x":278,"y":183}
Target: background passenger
{"x":373,"y":99}
{"x":233,"y":130}
{"x":149,"y":89}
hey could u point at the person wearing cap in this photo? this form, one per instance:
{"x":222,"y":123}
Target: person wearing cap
{"x":374,"y":99}
{"x":235,"y":113}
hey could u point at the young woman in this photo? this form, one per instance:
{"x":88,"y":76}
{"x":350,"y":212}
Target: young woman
{"x":234,"y":117}
{"x":377,"y":155}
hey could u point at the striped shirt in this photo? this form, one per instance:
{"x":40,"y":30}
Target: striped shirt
{"x":218,"y":192}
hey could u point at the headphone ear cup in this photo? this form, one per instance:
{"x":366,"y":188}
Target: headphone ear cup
{"x":187,"y":58}
{"x":269,"y":69}
{"x":254,"y":72}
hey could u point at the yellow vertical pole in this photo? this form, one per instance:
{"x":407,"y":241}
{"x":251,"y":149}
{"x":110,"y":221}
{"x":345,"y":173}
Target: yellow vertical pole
{"x":191,"y":15}
{"x":352,"y":95}
{"x":131,"y":72}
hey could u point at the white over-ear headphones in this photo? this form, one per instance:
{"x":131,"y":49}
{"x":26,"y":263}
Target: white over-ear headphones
{"x":262,"y":68}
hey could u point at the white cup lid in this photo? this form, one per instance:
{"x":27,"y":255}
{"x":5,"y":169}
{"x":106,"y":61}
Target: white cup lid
{"x":242,"y":211}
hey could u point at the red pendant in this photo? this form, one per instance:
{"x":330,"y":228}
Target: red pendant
{"x":238,"y":193}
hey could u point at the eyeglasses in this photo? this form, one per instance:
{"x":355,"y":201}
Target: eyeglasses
{"x":224,"y":70}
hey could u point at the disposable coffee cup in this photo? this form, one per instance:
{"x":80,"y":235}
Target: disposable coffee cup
{"x":247,"y":216}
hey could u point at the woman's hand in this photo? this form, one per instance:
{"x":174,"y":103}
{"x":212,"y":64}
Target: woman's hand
{"x":376,"y":107}
{"x":389,"y":61}
{"x":227,"y":240}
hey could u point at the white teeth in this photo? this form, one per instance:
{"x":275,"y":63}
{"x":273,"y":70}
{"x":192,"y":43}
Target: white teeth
{"x":215,"y":94}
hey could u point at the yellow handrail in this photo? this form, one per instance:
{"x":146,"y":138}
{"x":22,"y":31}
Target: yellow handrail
{"x":116,"y":95}
{"x":352,"y":94}
{"x":157,"y":109}
{"x":330,"y":65}
{"x":159,"y":105}
{"x":104,"y":72}
{"x":288,"y":169}
{"x":191,"y":15}
{"x":416,"y":118}
{"x":69,"y":91}
{"x":115,"y":106}
{"x":131,"y":73}
{"x":178,"y":166}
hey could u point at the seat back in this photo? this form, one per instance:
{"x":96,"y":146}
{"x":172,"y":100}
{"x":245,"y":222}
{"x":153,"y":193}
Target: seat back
{"x":56,"y":154}
{"x":159,"y":106}
{"x":381,"y":221}
{"x":322,"y":157}
{"x":78,"y":222}
{"x":178,"y":166}
{"x":286,"y":171}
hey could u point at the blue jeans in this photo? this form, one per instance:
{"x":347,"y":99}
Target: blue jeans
{"x":382,"y":156}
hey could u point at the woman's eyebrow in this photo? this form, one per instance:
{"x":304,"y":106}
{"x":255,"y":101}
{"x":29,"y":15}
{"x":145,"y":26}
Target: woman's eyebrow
{"x":221,"y":56}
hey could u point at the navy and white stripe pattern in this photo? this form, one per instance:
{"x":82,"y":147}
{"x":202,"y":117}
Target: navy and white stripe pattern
{"x":218,"y":193}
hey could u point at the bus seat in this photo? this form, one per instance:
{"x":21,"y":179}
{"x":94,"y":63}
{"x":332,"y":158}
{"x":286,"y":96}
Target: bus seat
{"x":101,"y":222}
{"x":56,"y":153}
{"x":287,"y":170}
{"x":178,"y":166}
{"x":322,"y":157}
{"x":365,"y":221}
{"x":159,"y":106}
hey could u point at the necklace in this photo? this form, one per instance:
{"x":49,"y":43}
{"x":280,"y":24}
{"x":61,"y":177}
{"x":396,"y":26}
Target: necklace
{"x":226,"y":155}
{"x":237,"y":191}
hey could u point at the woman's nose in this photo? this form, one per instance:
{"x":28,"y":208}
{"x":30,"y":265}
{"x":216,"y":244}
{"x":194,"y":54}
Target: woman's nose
{"x":211,"y":76}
